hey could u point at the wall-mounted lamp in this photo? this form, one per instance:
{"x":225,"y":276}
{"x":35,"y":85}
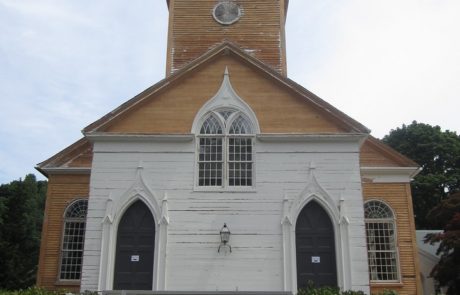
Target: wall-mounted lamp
{"x":224,"y":237}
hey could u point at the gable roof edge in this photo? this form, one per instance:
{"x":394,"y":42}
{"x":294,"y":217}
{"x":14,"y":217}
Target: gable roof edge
{"x":53,"y":161}
{"x":227,"y":47}
{"x":391,"y":152}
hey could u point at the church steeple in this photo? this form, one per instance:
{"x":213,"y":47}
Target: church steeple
{"x":256,"y":26}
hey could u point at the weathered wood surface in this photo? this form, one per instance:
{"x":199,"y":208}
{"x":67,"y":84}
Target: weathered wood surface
{"x":193,"y":30}
{"x":278,"y":108}
{"x":254,"y":217}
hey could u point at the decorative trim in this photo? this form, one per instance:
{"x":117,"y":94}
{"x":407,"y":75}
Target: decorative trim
{"x":160,"y":268}
{"x":344,"y":222}
{"x":291,"y":210}
{"x":307,"y":137}
{"x":226,"y":97}
{"x":70,"y":170}
{"x":389,"y":174}
{"x":115,"y":209}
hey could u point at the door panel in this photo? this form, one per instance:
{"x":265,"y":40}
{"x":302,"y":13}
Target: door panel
{"x":315,"y":247}
{"x":135,"y":248}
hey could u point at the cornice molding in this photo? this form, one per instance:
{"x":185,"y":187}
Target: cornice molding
{"x":110,"y":137}
{"x":389,"y":174}
{"x":66,"y":170}
{"x":300,"y":137}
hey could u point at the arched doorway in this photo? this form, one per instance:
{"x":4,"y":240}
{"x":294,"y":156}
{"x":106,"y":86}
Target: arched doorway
{"x":315,"y":247}
{"x":135,"y":248}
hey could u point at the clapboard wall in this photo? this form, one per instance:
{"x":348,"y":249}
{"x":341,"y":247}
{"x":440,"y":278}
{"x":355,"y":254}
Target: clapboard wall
{"x":195,"y":217}
{"x":62,"y":191}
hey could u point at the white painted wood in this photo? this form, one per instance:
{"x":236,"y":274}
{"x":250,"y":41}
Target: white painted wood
{"x":390,"y":174}
{"x":262,"y":221}
{"x":226,"y":97}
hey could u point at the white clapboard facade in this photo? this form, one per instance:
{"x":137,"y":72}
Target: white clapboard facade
{"x":290,"y":171}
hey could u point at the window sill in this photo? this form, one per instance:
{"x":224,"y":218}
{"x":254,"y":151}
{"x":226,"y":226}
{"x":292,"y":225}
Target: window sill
{"x":200,"y":189}
{"x":67,"y":282}
{"x":386,"y":284}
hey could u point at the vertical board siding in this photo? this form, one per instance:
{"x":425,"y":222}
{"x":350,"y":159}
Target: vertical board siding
{"x":254,"y":217}
{"x":397,"y":196}
{"x":62,"y":190}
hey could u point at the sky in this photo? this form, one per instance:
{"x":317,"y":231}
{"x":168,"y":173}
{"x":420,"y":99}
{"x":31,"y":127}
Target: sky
{"x":66,"y":63}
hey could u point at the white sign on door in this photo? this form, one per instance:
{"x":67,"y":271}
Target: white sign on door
{"x":134,"y":258}
{"x":315,"y":259}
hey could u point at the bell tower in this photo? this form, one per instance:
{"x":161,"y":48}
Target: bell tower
{"x":256,"y":26}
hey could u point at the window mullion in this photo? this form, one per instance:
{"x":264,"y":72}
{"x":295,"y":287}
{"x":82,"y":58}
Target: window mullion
{"x":225,"y":158}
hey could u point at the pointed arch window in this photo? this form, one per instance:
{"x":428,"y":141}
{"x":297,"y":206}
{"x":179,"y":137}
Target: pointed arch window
{"x":225,"y":150}
{"x":381,"y":242}
{"x":73,"y":239}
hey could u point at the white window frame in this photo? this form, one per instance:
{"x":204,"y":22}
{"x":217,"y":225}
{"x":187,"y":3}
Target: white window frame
{"x":66,"y":221}
{"x":383,"y":220}
{"x":225,"y":125}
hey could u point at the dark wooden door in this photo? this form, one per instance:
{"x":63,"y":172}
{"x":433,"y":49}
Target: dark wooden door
{"x":135,"y":248}
{"x":315,"y":247}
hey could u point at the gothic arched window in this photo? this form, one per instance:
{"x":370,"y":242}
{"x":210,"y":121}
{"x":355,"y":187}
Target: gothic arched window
{"x":381,"y":241}
{"x":73,"y":239}
{"x":225,"y":155}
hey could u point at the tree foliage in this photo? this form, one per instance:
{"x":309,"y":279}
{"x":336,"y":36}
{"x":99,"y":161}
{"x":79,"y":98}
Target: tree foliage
{"x":21,"y":216}
{"x":438,"y":153}
{"x":447,"y":271}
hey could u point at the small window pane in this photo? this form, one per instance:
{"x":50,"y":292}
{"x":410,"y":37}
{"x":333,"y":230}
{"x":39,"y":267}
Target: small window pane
{"x":210,"y":174}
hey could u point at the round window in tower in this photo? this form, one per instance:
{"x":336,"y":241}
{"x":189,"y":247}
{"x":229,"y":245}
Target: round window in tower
{"x":227,"y":12}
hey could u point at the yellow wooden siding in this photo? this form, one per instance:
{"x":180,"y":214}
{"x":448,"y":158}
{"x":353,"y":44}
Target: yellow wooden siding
{"x":371,"y":157}
{"x":277,"y":108}
{"x":83,"y":160}
{"x":62,"y":190}
{"x":397,"y":196}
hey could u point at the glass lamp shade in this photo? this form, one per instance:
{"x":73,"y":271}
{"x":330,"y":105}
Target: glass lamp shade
{"x":224,"y":234}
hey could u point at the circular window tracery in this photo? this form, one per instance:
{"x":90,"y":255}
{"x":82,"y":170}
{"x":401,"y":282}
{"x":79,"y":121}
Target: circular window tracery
{"x":227,"y":12}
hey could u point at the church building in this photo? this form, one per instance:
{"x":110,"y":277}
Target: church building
{"x":228,"y":176}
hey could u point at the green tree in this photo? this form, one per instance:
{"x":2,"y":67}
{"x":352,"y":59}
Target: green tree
{"x":447,"y":216}
{"x":21,"y":216}
{"x":438,"y":153}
